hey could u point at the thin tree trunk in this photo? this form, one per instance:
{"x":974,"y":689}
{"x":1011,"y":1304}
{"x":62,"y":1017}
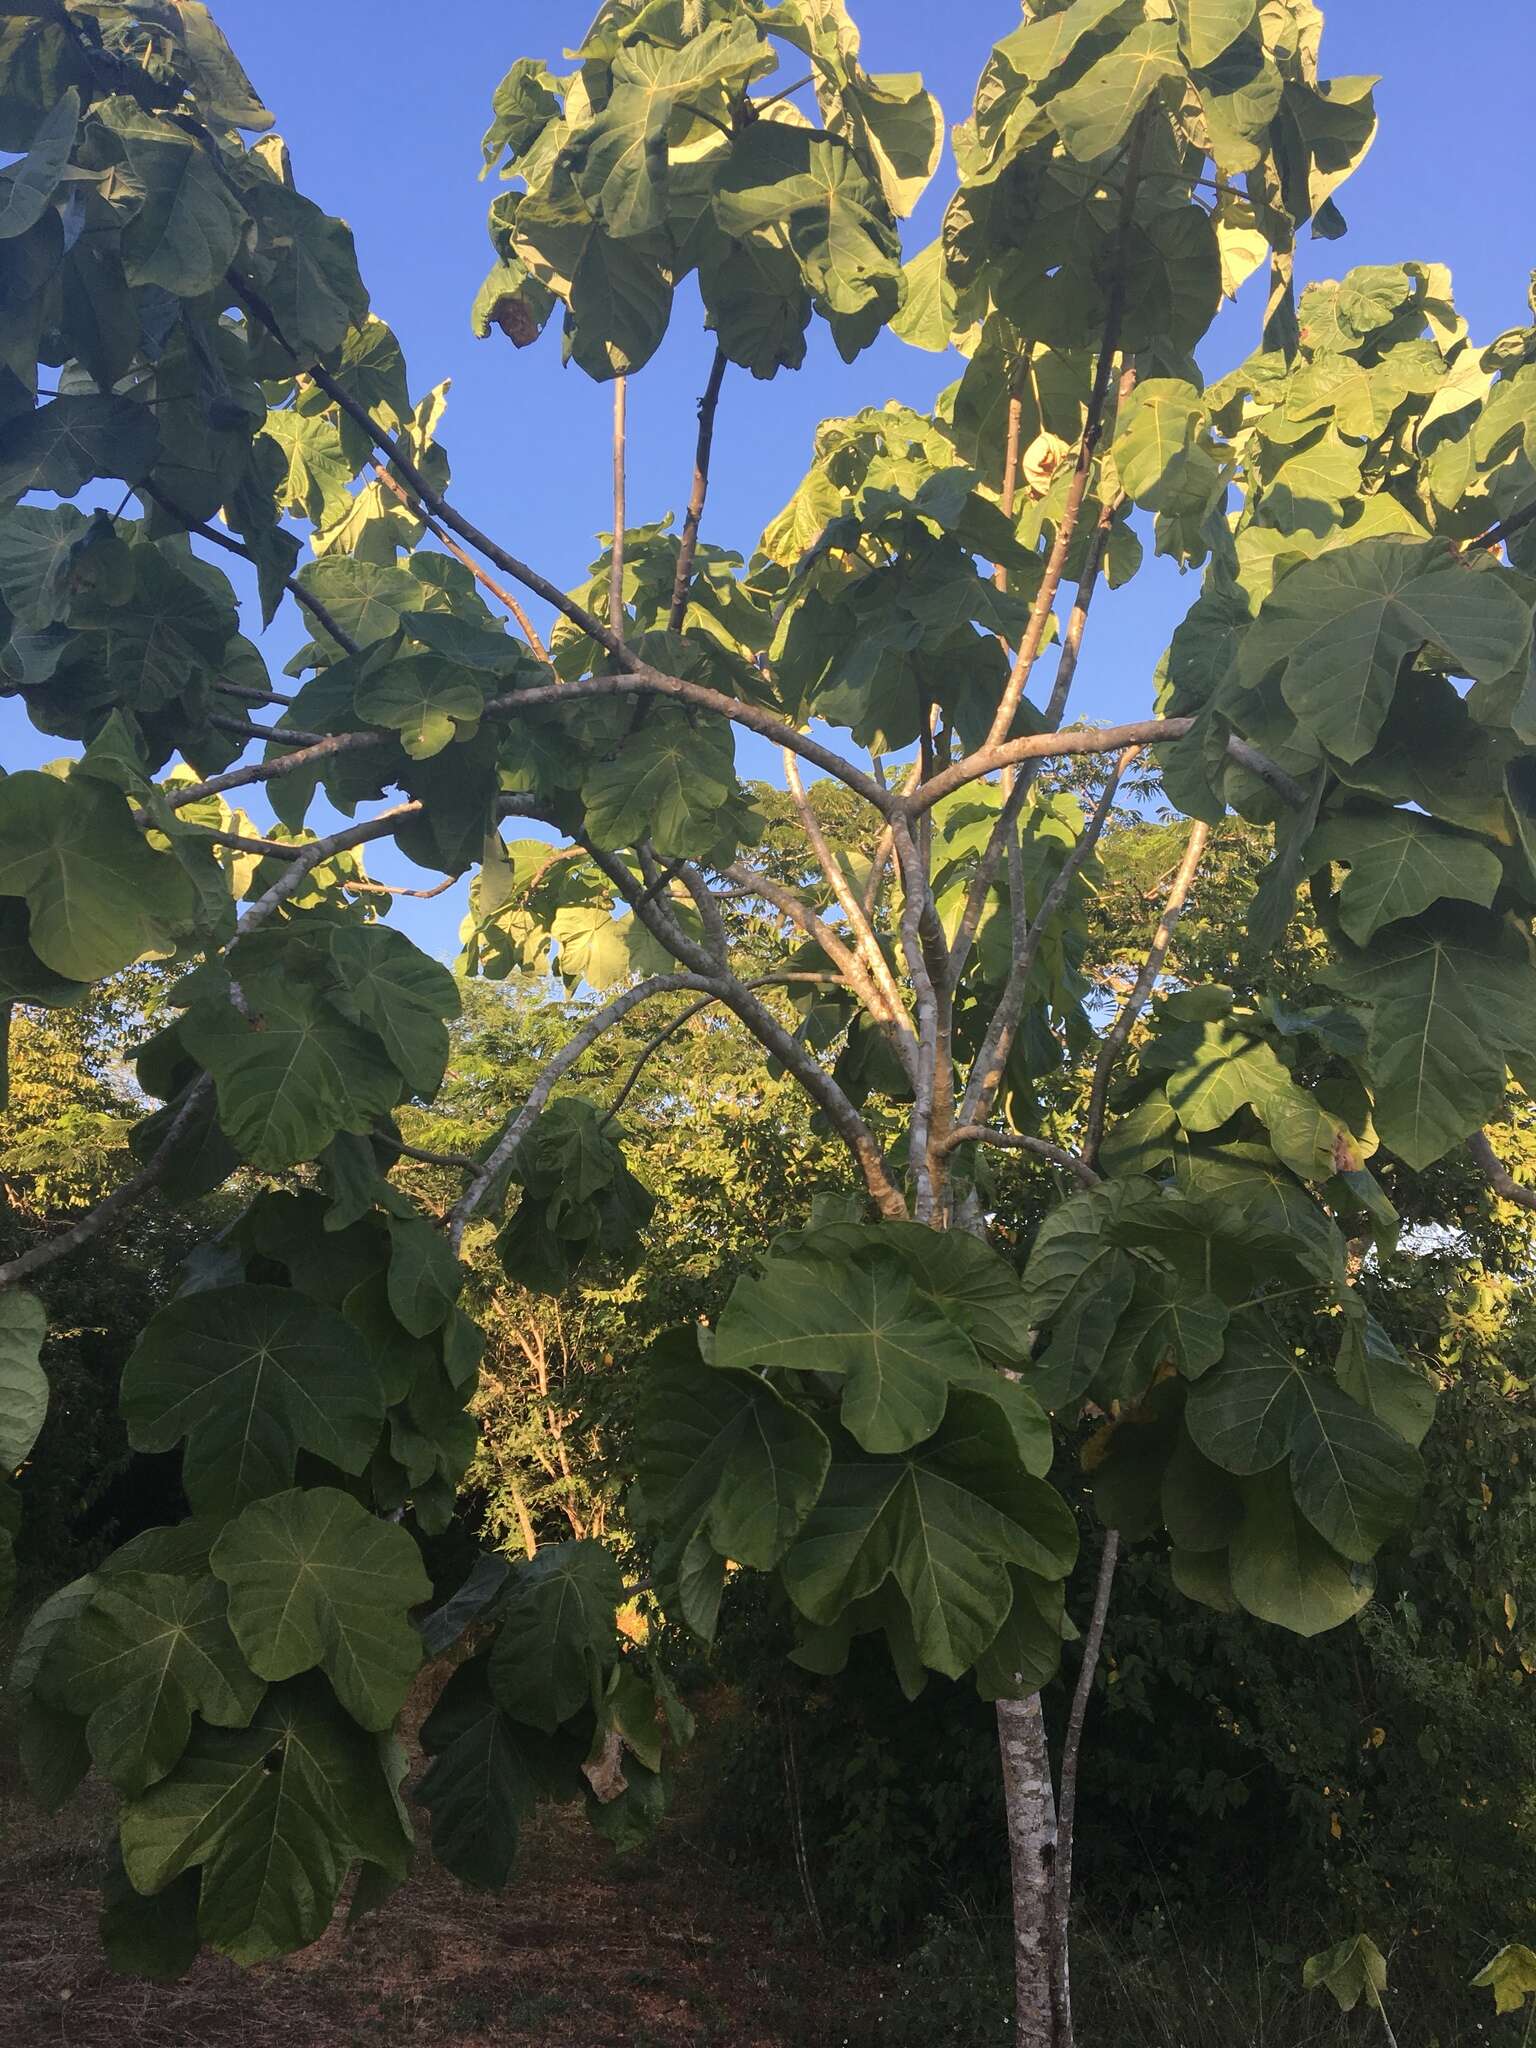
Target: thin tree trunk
{"x":1030,"y":1806}
{"x":1071,"y":1748}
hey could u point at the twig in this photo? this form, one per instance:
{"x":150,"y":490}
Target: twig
{"x":620,"y":511}
{"x":1115,"y":1038}
{"x":1005,"y":832}
{"x":481,"y":574}
{"x":689,"y":544}
{"x":767,"y":1030}
{"x":865,"y":938}
{"x":317,"y":611}
{"x":685,"y":1017}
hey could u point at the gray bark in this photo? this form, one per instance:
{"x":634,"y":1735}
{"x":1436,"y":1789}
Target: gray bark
{"x":1030,"y":1806}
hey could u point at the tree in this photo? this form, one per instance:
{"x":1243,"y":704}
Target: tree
{"x":868,"y":1418}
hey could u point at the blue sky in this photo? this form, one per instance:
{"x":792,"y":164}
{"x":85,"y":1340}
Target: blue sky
{"x":384,"y":120}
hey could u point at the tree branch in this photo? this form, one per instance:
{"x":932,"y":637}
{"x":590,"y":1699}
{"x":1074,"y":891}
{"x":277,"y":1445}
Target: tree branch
{"x":1497,"y":1174}
{"x":1118,"y":1033}
{"x":317,"y":611}
{"x":991,"y":1061}
{"x":865,"y":937}
{"x":1093,"y":428}
{"x":1016,"y":1141}
{"x":434,"y":501}
{"x":489,"y":1169}
{"x":96,"y":1220}
{"x":767,"y":1030}
{"x":1005,"y":833}
{"x":688,"y":547}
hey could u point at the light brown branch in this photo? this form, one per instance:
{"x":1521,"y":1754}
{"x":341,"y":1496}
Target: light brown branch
{"x":991,"y":1061}
{"x":1017,"y":1141}
{"x":620,"y":507}
{"x":1119,"y":1032}
{"x":481,"y":574}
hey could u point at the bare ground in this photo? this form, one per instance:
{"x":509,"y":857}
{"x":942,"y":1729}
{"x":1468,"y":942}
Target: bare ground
{"x":664,"y":1948}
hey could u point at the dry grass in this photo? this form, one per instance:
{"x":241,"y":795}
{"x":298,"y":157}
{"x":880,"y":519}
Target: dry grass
{"x":660,"y":1949}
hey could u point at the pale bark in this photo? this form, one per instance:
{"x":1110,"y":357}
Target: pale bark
{"x":1030,"y":1807}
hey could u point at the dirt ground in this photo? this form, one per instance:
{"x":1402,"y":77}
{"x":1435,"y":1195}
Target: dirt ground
{"x":664,"y":1948}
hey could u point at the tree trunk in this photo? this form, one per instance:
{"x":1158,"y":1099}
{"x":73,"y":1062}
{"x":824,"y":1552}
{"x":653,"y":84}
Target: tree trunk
{"x":1030,"y":1806}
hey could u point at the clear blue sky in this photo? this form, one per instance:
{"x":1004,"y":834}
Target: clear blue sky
{"x":384,"y":119}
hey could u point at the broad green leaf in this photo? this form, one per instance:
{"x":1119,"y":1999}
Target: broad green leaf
{"x":943,"y":1522}
{"x":1400,"y":864}
{"x":1207,"y":27}
{"x":27,"y":187}
{"x":1077,"y":1284}
{"x":666,"y":783}
{"x":618,"y":293}
{"x":478,"y":1787}
{"x":556,"y":1631}
{"x":1095,"y":115}
{"x":23,"y":1383}
{"x":273,"y":1815}
{"x":217,"y":74}
{"x":1192,"y":1327}
{"x":813,"y":188}
{"x":249,"y":1376}
{"x":402,"y":995}
{"x":1511,"y":1977}
{"x":1282,"y":1570}
{"x":1339,"y":628}
{"x":720,"y":1451}
{"x":307,"y":269}
{"x":1354,"y":1479}
{"x":291,"y":1075}
{"x":1452,"y":1001}
{"x":900,"y":126}
{"x":1040,"y":48}
{"x":424,"y":1275}
{"x":1245,"y":1416}
{"x":315,"y":467}
{"x":1372,"y":1371}
{"x":1154,"y":433}
{"x":427,"y":700}
{"x":154,"y":1938}
{"x":618,"y":161}
{"x":148,"y":1652}
{"x":185,"y":234}
{"x":973,"y":1284}
{"x":316,"y":1581}
{"x":65,"y":443}
{"x":1025,"y":1654}
{"x":1351,"y":1970}
{"x":1228,"y":1070}
{"x":99,"y":897}
{"x":863,"y":1321}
